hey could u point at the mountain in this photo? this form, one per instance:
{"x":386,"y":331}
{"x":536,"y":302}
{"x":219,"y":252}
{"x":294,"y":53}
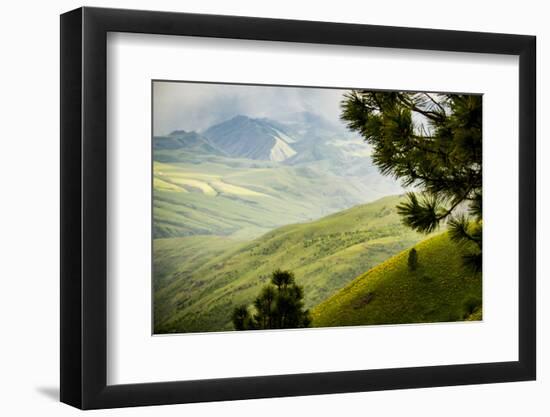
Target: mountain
{"x":258,"y":139}
{"x":190,"y":141}
{"x":198,"y":280}
{"x":441,"y":289}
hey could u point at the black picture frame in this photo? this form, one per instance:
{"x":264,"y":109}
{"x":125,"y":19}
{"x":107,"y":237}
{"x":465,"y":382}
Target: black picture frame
{"x":84,"y":207}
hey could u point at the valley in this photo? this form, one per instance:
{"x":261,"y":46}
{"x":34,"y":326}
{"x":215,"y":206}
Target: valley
{"x":200,"y":190}
{"x":199,"y":279}
{"x":247,"y":196}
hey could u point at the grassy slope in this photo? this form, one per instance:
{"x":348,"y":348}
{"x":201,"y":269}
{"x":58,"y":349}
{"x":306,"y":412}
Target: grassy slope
{"x":199,"y":280}
{"x":180,"y":256}
{"x":440,"y":290}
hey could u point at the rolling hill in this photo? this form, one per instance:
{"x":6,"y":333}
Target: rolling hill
{"x":441,"y":289}
{"x":214,"y":195}
{"x":198,"y":280}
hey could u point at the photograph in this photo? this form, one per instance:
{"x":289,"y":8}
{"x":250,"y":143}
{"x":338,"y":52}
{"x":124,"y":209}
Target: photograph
{"x":291,"y":207}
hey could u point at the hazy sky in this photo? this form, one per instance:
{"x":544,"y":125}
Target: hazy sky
{"x":195,"y":106}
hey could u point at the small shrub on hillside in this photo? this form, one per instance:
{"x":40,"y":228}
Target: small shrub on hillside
{"x":413,"y":260}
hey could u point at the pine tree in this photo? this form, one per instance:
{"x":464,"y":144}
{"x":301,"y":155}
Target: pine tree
{"x":278,"y":306}
{"x":431,"y":142}
{"x":241,"y":318}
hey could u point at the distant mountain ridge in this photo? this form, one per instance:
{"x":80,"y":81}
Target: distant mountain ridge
{"x":180,"y":139}
{"x":250,"y":138}
{"x":298,"y":137}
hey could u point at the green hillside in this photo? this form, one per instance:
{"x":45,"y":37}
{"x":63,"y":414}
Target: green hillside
{"x":198,"y":280}
{"x":440,"y":289}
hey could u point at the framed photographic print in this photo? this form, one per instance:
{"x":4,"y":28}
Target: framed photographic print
{"x":258,"y":207}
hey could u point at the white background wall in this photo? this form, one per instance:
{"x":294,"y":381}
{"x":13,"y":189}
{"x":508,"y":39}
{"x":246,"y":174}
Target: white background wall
{"x":29,"y":225}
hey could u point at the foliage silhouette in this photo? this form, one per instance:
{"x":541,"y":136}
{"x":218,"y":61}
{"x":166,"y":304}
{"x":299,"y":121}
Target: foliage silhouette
{"x":278,"y":306}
